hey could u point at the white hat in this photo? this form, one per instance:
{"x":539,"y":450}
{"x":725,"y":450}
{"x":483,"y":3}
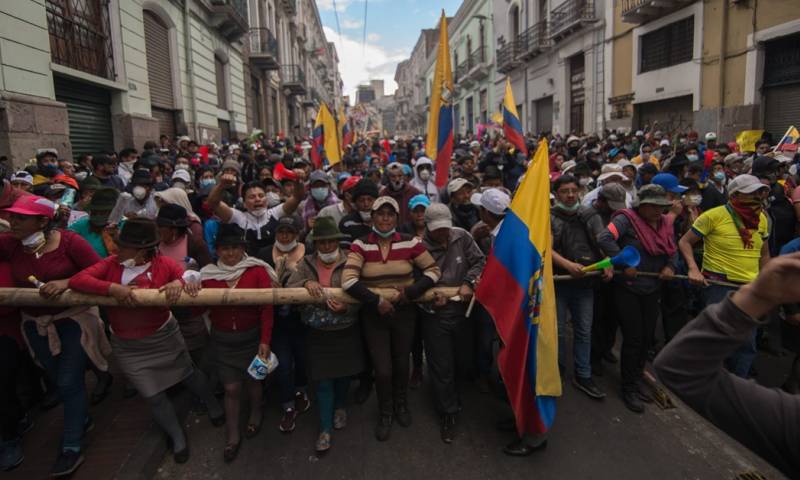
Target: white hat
{"x":625,"y":163}
{"x":184,"y":138}
{"x":438,"y":216}
{"x":612,"y":137}
{"x":305,"y":145}
{"x":572,"y":138}
{"x":234,"y":146}
{"x":567,"y":166}
{"x":611,"y":170}
{"x":456,"y":184}
{"x":182,"y":175}
{"x":745,"y":184}
{"x":494,"y":200}
{"x":639,"y":133}
{"x":474,"y":144}
{"x":385,"y":200}
{"x":664,"y":142}
{"x":711,"y":136}
{"x":23,"y":177}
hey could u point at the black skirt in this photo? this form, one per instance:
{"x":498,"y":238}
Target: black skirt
{"x":232,"y":353}
{"x":335,"y":353}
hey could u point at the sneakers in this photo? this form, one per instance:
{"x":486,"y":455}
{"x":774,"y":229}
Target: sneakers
{"x":11,"y":455}
{"x":448,"y":428}
{"x":402,"y":414}
{"x":633,"y":401}
{"x":323,"y":442}
{"x":301,"y":402}
{"x":384,"y":428}
{"x":339,"y":418}
{"x":67,"y":462}
{"x":587,"y":386}
{"x":288,"y":422}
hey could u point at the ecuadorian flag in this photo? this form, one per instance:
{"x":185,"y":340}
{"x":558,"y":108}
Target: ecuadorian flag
{"x":345,"y":132}
{"x":512,"y":127}
{"x":325,"y":137}
{"x":517,"y":290}
{"x":439,"y":146}
{"x":790,"y":141}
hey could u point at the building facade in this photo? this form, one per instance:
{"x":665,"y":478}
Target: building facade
{"x":86,"y":77}
{"x":718,"y":65}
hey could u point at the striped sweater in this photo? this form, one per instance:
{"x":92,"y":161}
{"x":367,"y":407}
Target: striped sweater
{"x":366,"y":267}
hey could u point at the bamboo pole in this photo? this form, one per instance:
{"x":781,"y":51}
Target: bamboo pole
{"x":562,"y":278}
{"x":29,"y":297}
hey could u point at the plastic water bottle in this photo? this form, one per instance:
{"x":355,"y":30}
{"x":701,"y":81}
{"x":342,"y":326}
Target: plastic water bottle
{"x":68,"y":198}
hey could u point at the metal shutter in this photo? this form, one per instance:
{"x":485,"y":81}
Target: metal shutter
{"x":166,"y":122}
{"x":89,"y":114}
{"x":159,"y":66}
{"x":219,"y":70}
{"x":544,"y":115}
{"x":781,"y":109}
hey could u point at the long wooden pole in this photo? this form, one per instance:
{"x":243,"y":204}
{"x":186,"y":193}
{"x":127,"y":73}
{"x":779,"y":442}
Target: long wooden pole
{"x":29,"y":297}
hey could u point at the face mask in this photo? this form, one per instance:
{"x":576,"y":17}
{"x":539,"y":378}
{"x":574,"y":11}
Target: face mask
{"x":129,"y":263}
{"x":273,"y":199}
{"x":328,"y":258}
{"x":49,"y":170}
{"x":34,"y":240}
{"x":692,"y":200}
{"x":286,"y":247}
{"x":258,"y":212}
{"x":692,"y":158}
{"x":566,"y":208}
{"x":424,"y":175}
{"x":139,"y":192}
{"x":719,"y":176}
{"x":585,"y":181}
{"x":208,"y":182}
{"x":383,"y":234}
{"x":397,"y":185}
{"x":365,"y":216}
{"x":182,"y":166}
{"x":319,"y":193}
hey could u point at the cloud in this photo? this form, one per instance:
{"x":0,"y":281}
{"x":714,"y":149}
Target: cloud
{"x":359,"y":64}
{"x":327,"y":5}
{"x":350,"y":24}
{"x":373,"y":37}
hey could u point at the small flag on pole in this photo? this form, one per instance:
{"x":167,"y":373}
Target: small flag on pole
{"x":512,"y":126}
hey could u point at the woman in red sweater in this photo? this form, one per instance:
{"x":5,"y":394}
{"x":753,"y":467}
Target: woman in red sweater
{"x":238,"y":333}
{"x":147,"y":343}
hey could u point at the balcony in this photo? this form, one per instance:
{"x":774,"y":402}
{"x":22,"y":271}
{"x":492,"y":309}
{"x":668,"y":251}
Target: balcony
{"x":569,"y":17}
{"x":293,"y":79}
{"x":478,"y":68}
{"x":230,"y":18}
{"x":460,"y":74}
{"x":290,"y":6}
{"x":508,"y":55}
{"x":263,"y":49}
{"x":534,"y":40}
{"x":641,"y":11}
{"x":80,"y":38}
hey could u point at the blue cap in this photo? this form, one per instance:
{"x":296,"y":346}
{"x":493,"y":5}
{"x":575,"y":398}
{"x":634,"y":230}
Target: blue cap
{"x":342,"y":177}
{"x":417,"y":200}
{"x":407,"y":170}
{"x":668,"y":182}
{"x":616,"y":151}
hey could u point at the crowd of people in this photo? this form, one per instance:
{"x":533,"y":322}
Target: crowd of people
{"x":179,"y":217}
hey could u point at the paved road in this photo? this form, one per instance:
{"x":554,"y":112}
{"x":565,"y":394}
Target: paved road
{"x":590,"y":440}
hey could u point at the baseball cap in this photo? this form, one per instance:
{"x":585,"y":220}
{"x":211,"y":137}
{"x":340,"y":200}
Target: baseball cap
{"x":745,"y":184}
{"x":318,"y":176}
{"x":567,"y":166}
{"x":23,"y":177}
{"x":438,"y":216}
{"x":711,"y":136}
{"x":182,"y":175}
{"x":668,"y":182}
{"x":33,"y":205}
{"x":456,"y":184}
{"x":289,"y":221}
{"x":764,"y":165}
{"x":494,"y":200}
{"x":474,"y":144}
{"x":663,"y":143}
{"x":417,"y":200}
{"x":615,"y":195}
{"x":384,"y":200}
{"x":350,"y":182}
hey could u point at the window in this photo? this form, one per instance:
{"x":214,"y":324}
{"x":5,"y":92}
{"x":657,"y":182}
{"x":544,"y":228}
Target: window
{"x":667,"y":46}
{"x":222,"y":94}
{"x":80,"y":36}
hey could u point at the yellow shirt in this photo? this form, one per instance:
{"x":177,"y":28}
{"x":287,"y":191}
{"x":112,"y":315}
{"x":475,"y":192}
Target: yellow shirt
{"x":723,"y":250}
{"x":637,"y":160}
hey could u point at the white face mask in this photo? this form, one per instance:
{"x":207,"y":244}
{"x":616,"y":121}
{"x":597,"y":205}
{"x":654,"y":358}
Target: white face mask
{"x":692,"y":200}
{"x":365,"y":216}
{"x":286,"y":247}
{"x":425,"y":175}
{"x":585,"y":181}
{"x":328,"y":258}
{"x":34,"y":240}
{"x":139,"y":192}
{"x":258,"y":212}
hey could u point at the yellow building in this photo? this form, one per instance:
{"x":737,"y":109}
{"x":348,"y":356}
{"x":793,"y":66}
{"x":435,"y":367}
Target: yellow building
{"x":711,"y":66}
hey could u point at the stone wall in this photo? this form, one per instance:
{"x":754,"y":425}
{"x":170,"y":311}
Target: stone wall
{"x":28,"y":123}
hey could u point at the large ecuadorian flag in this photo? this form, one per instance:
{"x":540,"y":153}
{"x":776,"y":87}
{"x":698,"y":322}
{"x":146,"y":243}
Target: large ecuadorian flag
{"x":439,"y":145}
{"x":325,"y":137}
{"x":512,"y":127}
{"x":516,"y":288}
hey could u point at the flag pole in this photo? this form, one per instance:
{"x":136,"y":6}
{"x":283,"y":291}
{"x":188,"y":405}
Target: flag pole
{"x":775,"y":148}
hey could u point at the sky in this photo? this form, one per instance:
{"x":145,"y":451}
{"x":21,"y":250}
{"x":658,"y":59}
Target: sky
{"x":393,"y":27}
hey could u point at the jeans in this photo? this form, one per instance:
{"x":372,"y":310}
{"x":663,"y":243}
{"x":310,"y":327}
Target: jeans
{"x":389,"y":342}
{"x":289,"y":345}
{"x":331,"y":395}
{"x":579,"y":302}
{"x":10,"y":409}
{"x":447,"y":343}
{"x":66,"y":371}
{"x":604,"y":322}
{"x":742,"y":359}
{"x":637,"y":320}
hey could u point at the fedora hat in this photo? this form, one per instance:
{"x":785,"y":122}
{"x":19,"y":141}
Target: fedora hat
{"x":138,"y":233}
{"x":325,"y":228}
{"x":230,"y":234}
{"x":172,"y":215}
